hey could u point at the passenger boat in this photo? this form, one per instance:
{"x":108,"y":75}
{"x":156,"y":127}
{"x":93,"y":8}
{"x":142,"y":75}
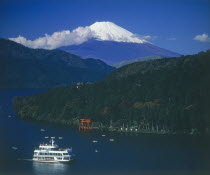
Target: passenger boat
{"x":51,"y":153}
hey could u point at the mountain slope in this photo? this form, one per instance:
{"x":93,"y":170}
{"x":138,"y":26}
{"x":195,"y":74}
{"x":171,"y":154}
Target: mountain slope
{"x":147,"y":58}
{"x":22,"y":67}
{"x":113,"y":52}
{"x":169,"y":94}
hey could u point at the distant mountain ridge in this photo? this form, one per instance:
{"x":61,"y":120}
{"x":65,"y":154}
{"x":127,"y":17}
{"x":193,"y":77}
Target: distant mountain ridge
{"x":147,"y":58}
{"x":113,"y":52}
{"x":22,"y":67}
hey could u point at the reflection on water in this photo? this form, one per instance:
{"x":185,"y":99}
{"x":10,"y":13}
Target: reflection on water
{"x":50,"y":168}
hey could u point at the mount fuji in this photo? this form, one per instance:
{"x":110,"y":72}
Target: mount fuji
{"x":113,"y":44}
{"x":102,"y":40}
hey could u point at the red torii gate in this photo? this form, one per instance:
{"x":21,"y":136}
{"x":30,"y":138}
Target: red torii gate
{"x":85,"y":124}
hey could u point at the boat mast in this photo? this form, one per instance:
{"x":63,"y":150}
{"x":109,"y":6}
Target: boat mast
{"x":52,"y":141}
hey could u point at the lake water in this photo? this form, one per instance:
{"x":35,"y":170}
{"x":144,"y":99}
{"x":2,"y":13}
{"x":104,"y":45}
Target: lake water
{"x":128,"y":154}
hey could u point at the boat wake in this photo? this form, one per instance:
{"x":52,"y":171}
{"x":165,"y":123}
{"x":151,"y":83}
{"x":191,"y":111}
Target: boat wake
{"x":26,"y":159}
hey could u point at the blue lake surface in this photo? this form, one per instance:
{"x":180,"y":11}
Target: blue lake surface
{"x":128,"y":154}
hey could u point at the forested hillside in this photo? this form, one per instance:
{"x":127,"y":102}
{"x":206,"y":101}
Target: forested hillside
{"x":22,"y":67}
{"x":147,"y":58}
{"x":171,"y":94}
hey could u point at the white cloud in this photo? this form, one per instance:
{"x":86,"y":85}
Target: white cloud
{"x":99,"y":30}
{"x":203,"y":38}
{"x":57,"y":39}
{"x":145,"y":37}
{"x":173,"y":39}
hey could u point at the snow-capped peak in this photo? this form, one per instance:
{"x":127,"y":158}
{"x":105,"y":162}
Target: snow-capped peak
{"x":112,"y":32}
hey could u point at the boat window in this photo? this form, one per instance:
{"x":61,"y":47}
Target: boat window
{"x":65,"y":154}
{"x":65,"y":158}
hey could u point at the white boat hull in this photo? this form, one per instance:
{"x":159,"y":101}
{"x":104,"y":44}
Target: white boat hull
{"x":52,"y":161}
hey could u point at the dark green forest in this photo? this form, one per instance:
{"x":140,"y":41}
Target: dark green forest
{"x":22,"y":67}
{"x":170,"y":94}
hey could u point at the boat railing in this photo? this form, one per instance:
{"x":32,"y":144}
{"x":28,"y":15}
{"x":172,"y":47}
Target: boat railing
{"x":53,"y":149}
{"x":49,"y":156}
{"x":36,"y":155}
{"x":47,"y":145}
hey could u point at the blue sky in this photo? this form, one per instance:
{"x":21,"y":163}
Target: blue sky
{"x":172,"y":23}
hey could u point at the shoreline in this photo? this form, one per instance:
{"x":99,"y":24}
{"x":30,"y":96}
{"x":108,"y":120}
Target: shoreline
{"x":112,"y":130}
